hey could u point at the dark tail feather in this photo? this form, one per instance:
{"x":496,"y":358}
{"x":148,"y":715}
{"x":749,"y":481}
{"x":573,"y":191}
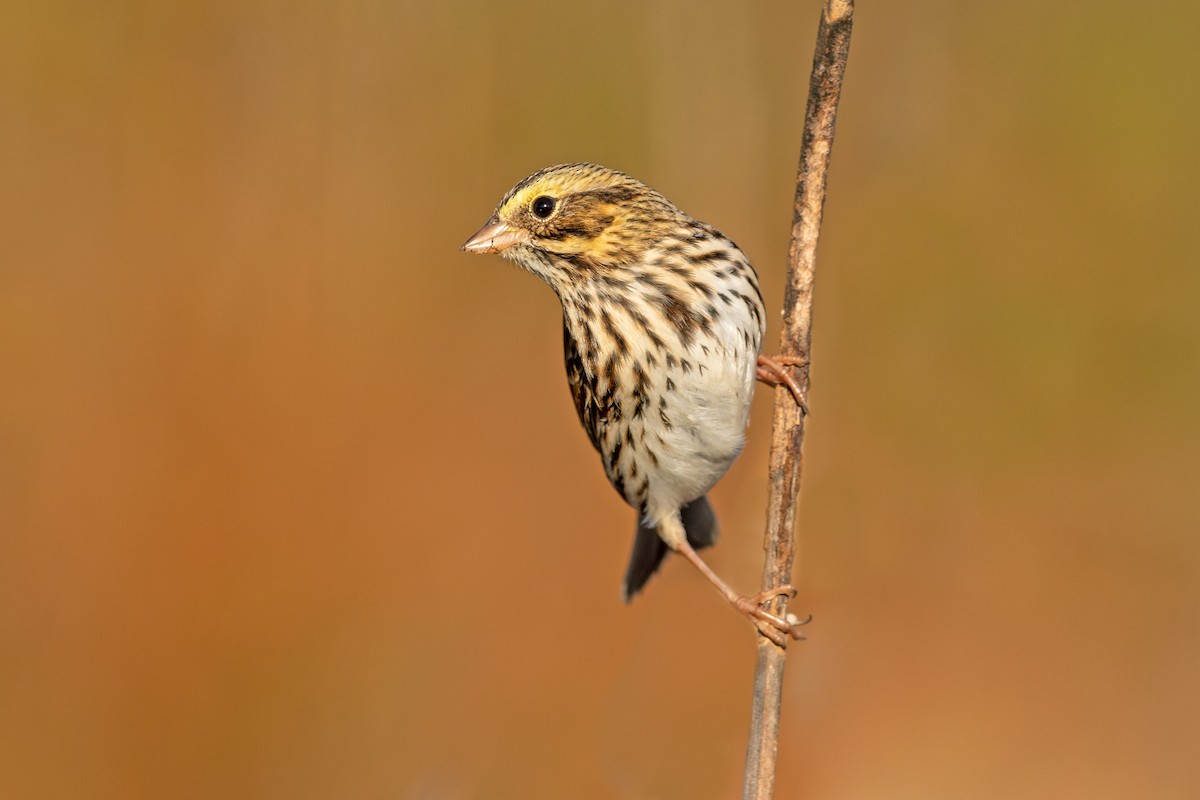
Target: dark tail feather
{"x":649,"y":549}
{"x":700,"y":523}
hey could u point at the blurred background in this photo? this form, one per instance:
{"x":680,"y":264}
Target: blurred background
{"x":294,"y":503}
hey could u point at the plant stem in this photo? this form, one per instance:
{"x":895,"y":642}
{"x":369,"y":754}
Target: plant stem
{"x":787,"y":433}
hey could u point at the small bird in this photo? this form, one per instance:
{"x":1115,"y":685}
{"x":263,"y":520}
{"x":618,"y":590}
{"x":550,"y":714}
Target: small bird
{"x":662,"y":324}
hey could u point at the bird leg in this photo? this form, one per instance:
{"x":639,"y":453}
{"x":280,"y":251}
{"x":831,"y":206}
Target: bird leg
{"x":773,"y":626}
{"x":770,"y":370}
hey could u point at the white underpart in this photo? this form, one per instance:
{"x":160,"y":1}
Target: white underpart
{"x":707,"y":406}
{"x":709,"y":409}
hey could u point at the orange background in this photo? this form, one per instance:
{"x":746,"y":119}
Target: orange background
{"x":293,"y":502}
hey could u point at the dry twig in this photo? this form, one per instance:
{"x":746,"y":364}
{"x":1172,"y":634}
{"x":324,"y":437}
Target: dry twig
{"x":825,"y":86}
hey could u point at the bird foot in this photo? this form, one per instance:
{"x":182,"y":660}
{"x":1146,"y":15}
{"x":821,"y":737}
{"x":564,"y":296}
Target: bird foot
{"x":775,"y":627}
{"x":770,"y":370}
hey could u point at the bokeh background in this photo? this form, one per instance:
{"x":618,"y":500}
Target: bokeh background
{"x":293,"y":502}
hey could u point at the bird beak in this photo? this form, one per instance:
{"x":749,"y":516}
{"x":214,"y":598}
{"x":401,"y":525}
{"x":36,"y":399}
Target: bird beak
{"x":494,"y":237}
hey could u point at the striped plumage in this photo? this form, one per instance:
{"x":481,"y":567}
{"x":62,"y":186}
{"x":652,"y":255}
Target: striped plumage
{"x":662,"y":324}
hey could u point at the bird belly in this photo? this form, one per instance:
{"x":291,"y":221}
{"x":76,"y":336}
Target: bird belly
{"x":688,"y":435}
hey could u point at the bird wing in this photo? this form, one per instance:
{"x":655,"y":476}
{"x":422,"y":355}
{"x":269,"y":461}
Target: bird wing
{"x":583,"y":389}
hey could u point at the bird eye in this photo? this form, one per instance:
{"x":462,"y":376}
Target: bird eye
{"x":543,"y":206}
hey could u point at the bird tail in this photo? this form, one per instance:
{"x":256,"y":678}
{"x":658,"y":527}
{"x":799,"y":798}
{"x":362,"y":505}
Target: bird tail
{"x":649,"y":549}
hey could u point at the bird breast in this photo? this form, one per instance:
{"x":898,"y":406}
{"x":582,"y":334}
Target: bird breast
{"x":661,"y":364}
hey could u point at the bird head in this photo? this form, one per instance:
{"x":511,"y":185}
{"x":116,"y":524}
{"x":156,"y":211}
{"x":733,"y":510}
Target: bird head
{"x":575,"y":216}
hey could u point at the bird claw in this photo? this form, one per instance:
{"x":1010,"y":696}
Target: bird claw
{"x":770,"y":370}
{"x":773,"y":626}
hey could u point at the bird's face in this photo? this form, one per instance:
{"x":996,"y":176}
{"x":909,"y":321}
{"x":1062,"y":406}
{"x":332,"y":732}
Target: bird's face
{"x":574,"y":216}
